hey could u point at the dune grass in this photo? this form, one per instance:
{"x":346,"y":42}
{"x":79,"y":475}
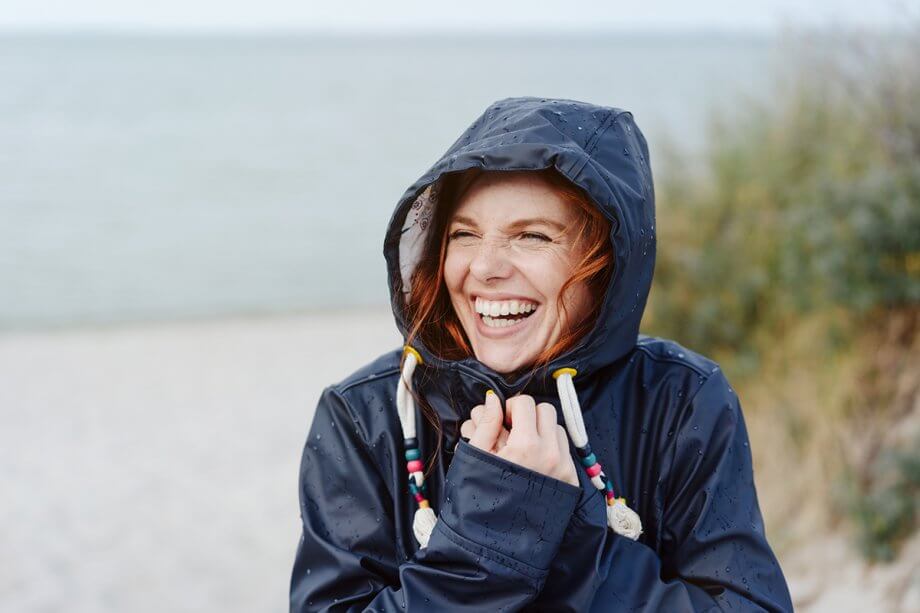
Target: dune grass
{"x":791,"y":254}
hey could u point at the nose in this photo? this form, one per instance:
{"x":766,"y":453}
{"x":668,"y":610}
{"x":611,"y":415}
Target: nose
{"x":491,"y":262}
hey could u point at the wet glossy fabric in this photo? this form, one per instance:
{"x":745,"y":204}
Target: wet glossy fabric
{"x":662,"y":420}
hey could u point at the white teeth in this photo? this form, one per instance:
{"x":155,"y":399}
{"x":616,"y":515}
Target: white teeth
{"x":503,"y":307}
{"x":499,"y":323}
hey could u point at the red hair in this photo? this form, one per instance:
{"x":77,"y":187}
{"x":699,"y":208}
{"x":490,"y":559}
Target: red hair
{"x":430,"y":313}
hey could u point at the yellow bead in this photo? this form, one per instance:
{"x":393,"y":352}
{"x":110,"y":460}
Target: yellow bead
{"x":418,"y":358}
{"x":564,"y":371}
{"x":423,"y":504}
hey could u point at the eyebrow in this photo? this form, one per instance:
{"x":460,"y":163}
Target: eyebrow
{"x":517,"y":224}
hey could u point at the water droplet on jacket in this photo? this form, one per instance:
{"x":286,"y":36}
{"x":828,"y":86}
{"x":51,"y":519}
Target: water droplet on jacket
{"x":319,"y":436}
{"x":580,"y":128}
{"x":680,"y":355}
{"x":626,"y":152}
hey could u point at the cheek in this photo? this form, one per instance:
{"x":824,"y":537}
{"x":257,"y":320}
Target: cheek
{"x":547,"y":273}
{"x":453,"y":272}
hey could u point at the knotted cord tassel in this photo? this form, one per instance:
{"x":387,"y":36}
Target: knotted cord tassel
{"x":620,"y":518}
{"x":624,"y":520}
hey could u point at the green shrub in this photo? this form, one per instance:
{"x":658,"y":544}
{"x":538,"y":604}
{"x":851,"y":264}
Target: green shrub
{"x":807,"y":201}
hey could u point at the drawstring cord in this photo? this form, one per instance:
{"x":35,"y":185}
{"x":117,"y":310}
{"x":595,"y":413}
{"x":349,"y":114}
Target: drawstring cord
{"x":620,"y":518}
{"x":425,"y":519}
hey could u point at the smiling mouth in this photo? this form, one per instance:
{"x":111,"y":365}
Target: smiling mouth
{"x":504,"y":313}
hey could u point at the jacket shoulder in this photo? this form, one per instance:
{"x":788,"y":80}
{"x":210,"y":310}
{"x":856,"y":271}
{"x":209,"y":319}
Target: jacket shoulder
{"x":369,"y":396}
{"x":382,"y":366}
{"x":665,"y":350}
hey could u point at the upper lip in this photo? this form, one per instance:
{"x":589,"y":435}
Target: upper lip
{"x":497,"y":297}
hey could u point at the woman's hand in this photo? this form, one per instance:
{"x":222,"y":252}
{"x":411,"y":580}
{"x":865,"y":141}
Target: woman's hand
{"x":535,"y":440}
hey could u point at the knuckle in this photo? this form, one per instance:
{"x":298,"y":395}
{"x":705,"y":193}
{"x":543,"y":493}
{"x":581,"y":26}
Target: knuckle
{"x":522,"y":400}
{"x":532,"y":448}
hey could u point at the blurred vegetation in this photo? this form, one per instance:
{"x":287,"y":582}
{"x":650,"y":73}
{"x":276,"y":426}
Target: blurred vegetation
{"x":885,"y":513}
{"x":793,"y":246}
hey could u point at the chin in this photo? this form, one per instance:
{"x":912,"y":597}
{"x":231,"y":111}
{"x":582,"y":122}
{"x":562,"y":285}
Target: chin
{"x":504,"y":360}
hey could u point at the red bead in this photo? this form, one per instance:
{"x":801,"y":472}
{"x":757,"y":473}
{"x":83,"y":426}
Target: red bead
{"x":594,"y":470}
{"x":419,"y":497}
{"x":415,"y":466}
{"x":609,"y":495}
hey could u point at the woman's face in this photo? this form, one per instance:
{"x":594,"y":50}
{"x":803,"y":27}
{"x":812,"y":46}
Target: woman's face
{"x":510,"y":249}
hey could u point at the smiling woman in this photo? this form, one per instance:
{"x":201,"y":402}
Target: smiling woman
{"x":520,"y":264}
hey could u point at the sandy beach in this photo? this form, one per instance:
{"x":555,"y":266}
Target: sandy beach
{"x":154,"y":467}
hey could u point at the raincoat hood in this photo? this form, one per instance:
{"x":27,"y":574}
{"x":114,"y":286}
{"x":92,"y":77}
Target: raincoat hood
{"x":599,"y":149}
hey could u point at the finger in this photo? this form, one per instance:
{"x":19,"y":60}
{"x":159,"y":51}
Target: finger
{"x":568,"y":469}
{"x":562,"y":439}
{"x":467,"y":429}
{"x":490,"y":424}
{"x":502,"y":439}
{"x":523,"y":412}
{"x":476,"y":413}
{"x":546,"y":422}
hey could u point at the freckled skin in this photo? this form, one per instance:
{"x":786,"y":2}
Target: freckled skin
{"x":488,"y":254}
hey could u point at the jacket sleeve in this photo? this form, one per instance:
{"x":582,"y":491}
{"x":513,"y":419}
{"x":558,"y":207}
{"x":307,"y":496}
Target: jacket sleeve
{"x":499,"y":528}
{"x":714,"y":555}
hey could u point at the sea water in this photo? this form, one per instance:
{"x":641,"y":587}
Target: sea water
{"x":147,"y":177}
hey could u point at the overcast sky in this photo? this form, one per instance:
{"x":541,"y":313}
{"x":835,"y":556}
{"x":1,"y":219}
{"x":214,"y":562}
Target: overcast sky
{"x":388,"y":15}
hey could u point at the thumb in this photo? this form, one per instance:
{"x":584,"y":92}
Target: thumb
{"x":490,"y":424}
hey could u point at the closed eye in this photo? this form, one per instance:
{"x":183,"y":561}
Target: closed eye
{"x":535,"y":236}
{"x":460,"y":234}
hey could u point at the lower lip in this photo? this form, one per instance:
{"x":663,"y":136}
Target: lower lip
{"x":507,"y":331}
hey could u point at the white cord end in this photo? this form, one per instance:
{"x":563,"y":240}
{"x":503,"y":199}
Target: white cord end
{"x":623,"y":520}
{"x":423,"y":525}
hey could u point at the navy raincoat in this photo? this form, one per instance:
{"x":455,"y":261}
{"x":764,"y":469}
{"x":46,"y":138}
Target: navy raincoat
{"x":663,"y":421}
